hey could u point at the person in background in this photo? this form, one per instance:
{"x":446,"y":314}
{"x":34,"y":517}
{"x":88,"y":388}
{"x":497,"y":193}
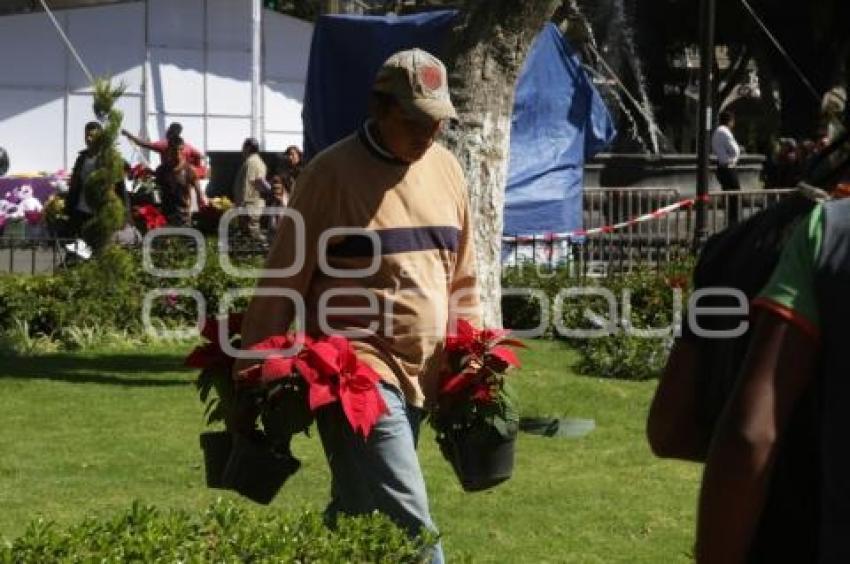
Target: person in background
{"x":79,"y":210}
{"x":278,"y":197}
{"x":248,"y":189}
{"x":289,"y":166}
{"x":293,"y":160}
{"x":178,"y":182}
{"x":193,"y":156}
{"x":726,"y":149}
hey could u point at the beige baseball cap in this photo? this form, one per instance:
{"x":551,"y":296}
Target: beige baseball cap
{"x":418,"y":81}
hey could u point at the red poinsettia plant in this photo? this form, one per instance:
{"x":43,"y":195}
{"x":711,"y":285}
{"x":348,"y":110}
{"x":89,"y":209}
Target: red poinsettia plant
{"x":322,"y":371}
{"x":297,"y":376}
{"x":216,"y":368}
{"x":148,"y":217}
{"x":473,"y":391}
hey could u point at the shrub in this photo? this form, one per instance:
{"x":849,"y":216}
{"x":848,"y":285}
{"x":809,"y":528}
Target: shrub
{"x":107,"y":208}
{"x":617,"y":355}
{"x":104,"y":296}
{"x":223,"y":533}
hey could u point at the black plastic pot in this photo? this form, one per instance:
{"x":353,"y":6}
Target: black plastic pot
{"x":288,"y":412}
{"x":216,"y":447}
{"x":257,"y":469}
{"x":481,"y":460}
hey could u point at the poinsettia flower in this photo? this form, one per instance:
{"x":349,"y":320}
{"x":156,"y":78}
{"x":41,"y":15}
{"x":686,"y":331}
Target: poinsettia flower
{"x":325,"y":355}
{"x":277,"y":367}
{"x":324,"y":359}
{"x":358,"y":393}
{"x":151,"y":216}
{"x":361,"y":401}
{"x":463,"y":339}
{"x":474,"y":358}
{"x":338,"y":375}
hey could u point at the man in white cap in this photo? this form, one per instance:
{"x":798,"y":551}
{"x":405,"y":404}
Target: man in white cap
{"x":407,"y":196}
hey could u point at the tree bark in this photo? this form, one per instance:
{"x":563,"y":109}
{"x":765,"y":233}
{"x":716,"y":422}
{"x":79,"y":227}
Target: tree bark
{"x":487,"y":52}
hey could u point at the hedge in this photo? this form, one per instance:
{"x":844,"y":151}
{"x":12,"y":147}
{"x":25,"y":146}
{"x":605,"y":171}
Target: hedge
{"x":108,"y":293}
{"x":619,"y":354}
{"x":224,"y":532}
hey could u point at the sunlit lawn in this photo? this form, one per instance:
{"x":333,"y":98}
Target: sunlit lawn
{"x":87,"y":433}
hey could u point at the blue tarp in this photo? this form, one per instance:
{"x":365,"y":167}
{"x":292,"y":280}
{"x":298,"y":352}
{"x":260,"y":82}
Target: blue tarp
{"x":559,"y":120}
{"x":345,"y":54}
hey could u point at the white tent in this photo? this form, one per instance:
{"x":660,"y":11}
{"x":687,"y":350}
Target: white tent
{"x":192,"y":61}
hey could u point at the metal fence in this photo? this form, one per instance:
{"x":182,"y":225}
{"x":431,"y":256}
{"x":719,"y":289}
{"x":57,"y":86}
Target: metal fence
{"x":653,"y":243}
{"x":35,"y":256}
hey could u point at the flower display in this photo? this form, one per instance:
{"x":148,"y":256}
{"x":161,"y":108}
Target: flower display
{"x":22,"y":209}
{"x":10,"y":211}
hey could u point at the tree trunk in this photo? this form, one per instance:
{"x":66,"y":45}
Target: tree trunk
{"x":488,"y":50}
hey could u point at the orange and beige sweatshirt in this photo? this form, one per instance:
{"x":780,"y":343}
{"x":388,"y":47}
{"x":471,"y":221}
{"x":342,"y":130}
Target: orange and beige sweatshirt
{"x":396,"y":311}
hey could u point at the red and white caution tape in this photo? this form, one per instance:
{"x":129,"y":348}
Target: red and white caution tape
{"x":552,"y":237}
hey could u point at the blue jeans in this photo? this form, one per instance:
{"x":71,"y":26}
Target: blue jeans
{"x":381,"y":473}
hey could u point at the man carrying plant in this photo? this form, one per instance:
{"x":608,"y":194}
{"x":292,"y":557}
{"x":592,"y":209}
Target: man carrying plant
{"x":407,"y":196}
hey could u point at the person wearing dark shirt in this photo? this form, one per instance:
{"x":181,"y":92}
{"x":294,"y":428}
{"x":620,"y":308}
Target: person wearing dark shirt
{"x":78,"y":209}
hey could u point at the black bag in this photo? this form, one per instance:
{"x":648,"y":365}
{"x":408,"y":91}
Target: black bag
{"x":744,"y":257}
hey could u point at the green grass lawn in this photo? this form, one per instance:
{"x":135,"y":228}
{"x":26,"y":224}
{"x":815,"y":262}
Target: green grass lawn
{"x":85,"y":434}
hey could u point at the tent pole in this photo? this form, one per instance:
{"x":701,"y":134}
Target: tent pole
{"x":256,"y":69}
